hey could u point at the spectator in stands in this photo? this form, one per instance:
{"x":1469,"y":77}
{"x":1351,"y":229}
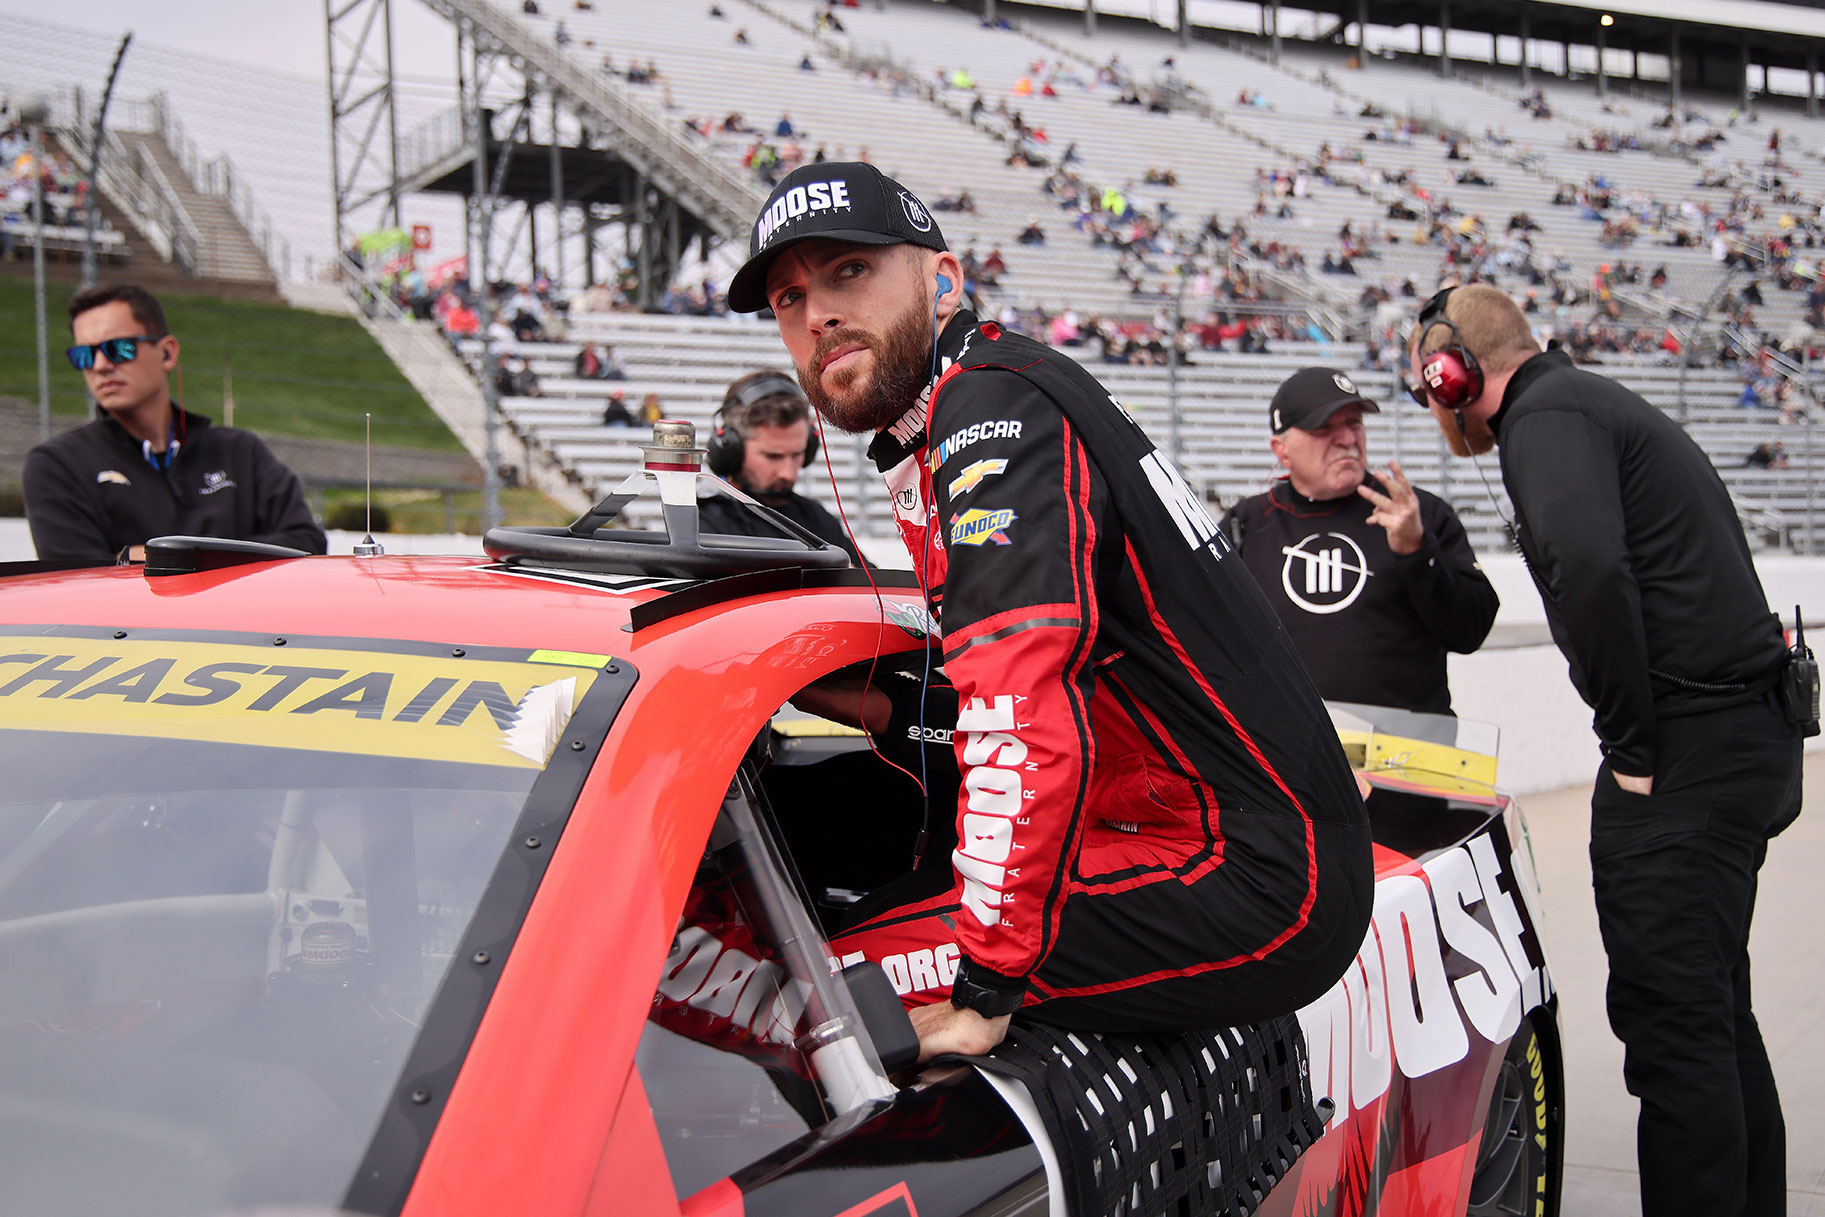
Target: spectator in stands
{"x":741,"y":36}
{"x":993,"y":267}
{"x":784,"y":129}
{"x":760,"y":439}
{"x":516,"y":378}
{"x":561,"y":35}
{"x":1032,"y":234}
{"x":530,"y":7}
{"x":1408,"y":591}
{"x":1771,"y":455}
{"x":650,"y":409}
{"x":615,"y":414}
{"x":594,"y":363}
{"x":148,"y":467}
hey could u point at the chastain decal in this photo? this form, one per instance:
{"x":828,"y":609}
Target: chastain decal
{"x":981,"y":526}
{"x":1398,"y":1006}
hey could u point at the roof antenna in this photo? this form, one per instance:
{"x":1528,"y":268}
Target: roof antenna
{"x":366,"y":547}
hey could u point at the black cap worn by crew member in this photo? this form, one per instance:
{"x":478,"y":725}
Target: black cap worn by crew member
{"x":1309,"y":397}
{"x":836,"y":200}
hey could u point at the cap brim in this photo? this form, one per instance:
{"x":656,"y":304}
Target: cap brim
{"x":748,"y":289}
{"x":1323,"y":415}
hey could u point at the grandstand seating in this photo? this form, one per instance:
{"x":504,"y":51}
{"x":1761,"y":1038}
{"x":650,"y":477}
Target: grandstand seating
{"x":872,"y":88}
{"x":689,"y":362}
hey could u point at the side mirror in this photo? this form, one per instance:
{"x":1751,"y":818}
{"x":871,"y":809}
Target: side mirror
{"x":886,"y":1019}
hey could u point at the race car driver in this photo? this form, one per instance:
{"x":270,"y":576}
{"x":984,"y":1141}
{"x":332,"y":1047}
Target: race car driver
{"x":1372,"y":576}
{"x":1157,"y":828}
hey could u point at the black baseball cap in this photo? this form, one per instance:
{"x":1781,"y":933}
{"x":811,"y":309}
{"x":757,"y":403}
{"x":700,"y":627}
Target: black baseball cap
{"x":1309,"y":397}
{"x":836,"y":200}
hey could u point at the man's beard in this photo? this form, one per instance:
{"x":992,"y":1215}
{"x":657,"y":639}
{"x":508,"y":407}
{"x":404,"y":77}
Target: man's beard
{"x":1467,"y":436}
{"x":902,"y":368}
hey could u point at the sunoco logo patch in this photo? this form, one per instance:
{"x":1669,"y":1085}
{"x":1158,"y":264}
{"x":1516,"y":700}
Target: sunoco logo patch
{"x":980,"y":526}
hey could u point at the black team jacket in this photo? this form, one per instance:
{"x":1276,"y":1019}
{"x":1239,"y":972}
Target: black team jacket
{"x":90,"y":492}
{"x":1373,"y":626}
{"x":733,"y":519}
{"x":1634,"y":543}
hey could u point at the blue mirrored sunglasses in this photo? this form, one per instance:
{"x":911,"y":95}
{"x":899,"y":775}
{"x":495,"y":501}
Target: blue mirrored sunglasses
{"x":118,"y":350}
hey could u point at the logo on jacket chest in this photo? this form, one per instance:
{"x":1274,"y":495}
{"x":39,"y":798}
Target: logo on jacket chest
{"x":1324,"y":573}
{"x":216,"y":479}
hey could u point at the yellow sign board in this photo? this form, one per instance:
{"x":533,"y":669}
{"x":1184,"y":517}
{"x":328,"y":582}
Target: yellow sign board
{"x":375,"y":703}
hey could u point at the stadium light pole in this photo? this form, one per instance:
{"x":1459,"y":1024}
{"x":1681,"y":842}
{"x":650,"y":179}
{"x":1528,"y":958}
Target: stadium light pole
{"x":34,"y":111}
{"x":1444,"y":37}
{"x":1603,"y":81}
{"x":1527,"y":79}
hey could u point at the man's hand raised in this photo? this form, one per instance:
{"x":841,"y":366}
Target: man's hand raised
{"x":1397,"y":511}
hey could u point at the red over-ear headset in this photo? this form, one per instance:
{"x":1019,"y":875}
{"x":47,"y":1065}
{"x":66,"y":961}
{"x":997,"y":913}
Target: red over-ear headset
{"x":1451,"y":374}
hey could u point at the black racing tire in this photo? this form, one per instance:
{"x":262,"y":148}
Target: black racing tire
{"x":1518,"y":1160}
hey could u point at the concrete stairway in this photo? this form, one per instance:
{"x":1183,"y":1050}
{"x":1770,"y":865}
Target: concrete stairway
{"x":449,"y":389}
{"x":225,"y":251}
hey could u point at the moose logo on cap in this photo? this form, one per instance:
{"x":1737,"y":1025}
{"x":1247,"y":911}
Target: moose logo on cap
{"x":801,"y":200}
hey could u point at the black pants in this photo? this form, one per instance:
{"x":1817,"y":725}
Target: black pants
{"x":1675,"y":876}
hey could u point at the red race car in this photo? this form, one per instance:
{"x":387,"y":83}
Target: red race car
{"x":442,"y":886}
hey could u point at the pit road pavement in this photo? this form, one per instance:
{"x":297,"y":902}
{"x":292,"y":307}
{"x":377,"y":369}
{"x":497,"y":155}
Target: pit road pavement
{"x":1787,"y":947}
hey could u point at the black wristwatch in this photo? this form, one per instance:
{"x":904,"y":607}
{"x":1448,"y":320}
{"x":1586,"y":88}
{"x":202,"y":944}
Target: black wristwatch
{"x":989,"y":994}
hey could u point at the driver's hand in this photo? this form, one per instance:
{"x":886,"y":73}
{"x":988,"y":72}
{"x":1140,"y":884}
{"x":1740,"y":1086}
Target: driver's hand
{"x":944,"y":1028}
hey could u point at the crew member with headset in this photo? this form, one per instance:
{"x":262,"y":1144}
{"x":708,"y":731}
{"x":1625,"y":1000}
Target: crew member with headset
{"x":1372,"y":576}
{"x":1652,"y":596}
{"x":760,"y":437}
{"x":1157,"y":826}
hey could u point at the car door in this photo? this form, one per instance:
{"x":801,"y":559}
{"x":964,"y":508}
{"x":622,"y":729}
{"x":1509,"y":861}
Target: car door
{"x":761,"y":1070}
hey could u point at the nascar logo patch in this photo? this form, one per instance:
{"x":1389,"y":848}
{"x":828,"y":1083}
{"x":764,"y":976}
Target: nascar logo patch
{"x":979,"y":526}
{"x":972,"y":475}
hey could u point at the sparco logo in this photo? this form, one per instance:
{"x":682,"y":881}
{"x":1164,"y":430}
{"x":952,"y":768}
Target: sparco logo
{"x":1322,"y":578}
{"x":798,"y":201}
{"x":931,"y":735}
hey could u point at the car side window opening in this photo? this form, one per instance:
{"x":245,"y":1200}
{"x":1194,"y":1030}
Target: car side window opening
{"x":850,"y":815}
{"x":752,"y":1040}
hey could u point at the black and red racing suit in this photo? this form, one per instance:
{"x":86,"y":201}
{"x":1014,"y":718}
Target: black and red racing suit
{"x":1157,"y":827}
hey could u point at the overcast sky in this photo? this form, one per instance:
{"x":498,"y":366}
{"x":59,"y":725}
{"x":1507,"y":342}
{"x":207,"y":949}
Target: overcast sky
{"x":282,"y":34}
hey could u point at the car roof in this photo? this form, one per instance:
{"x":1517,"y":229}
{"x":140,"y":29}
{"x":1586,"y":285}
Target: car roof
{"x":429,"y":598}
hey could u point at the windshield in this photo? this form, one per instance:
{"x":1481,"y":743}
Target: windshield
{"x":232,"y":879}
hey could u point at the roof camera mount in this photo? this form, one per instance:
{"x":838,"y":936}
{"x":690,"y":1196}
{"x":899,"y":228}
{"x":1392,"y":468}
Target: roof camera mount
{"x":673,"y":466}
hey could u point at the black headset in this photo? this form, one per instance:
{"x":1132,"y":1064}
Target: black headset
{"x":726,"y":446}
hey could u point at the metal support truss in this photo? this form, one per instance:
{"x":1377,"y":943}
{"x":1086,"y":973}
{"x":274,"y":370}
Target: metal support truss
{"x":364,"y":124}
